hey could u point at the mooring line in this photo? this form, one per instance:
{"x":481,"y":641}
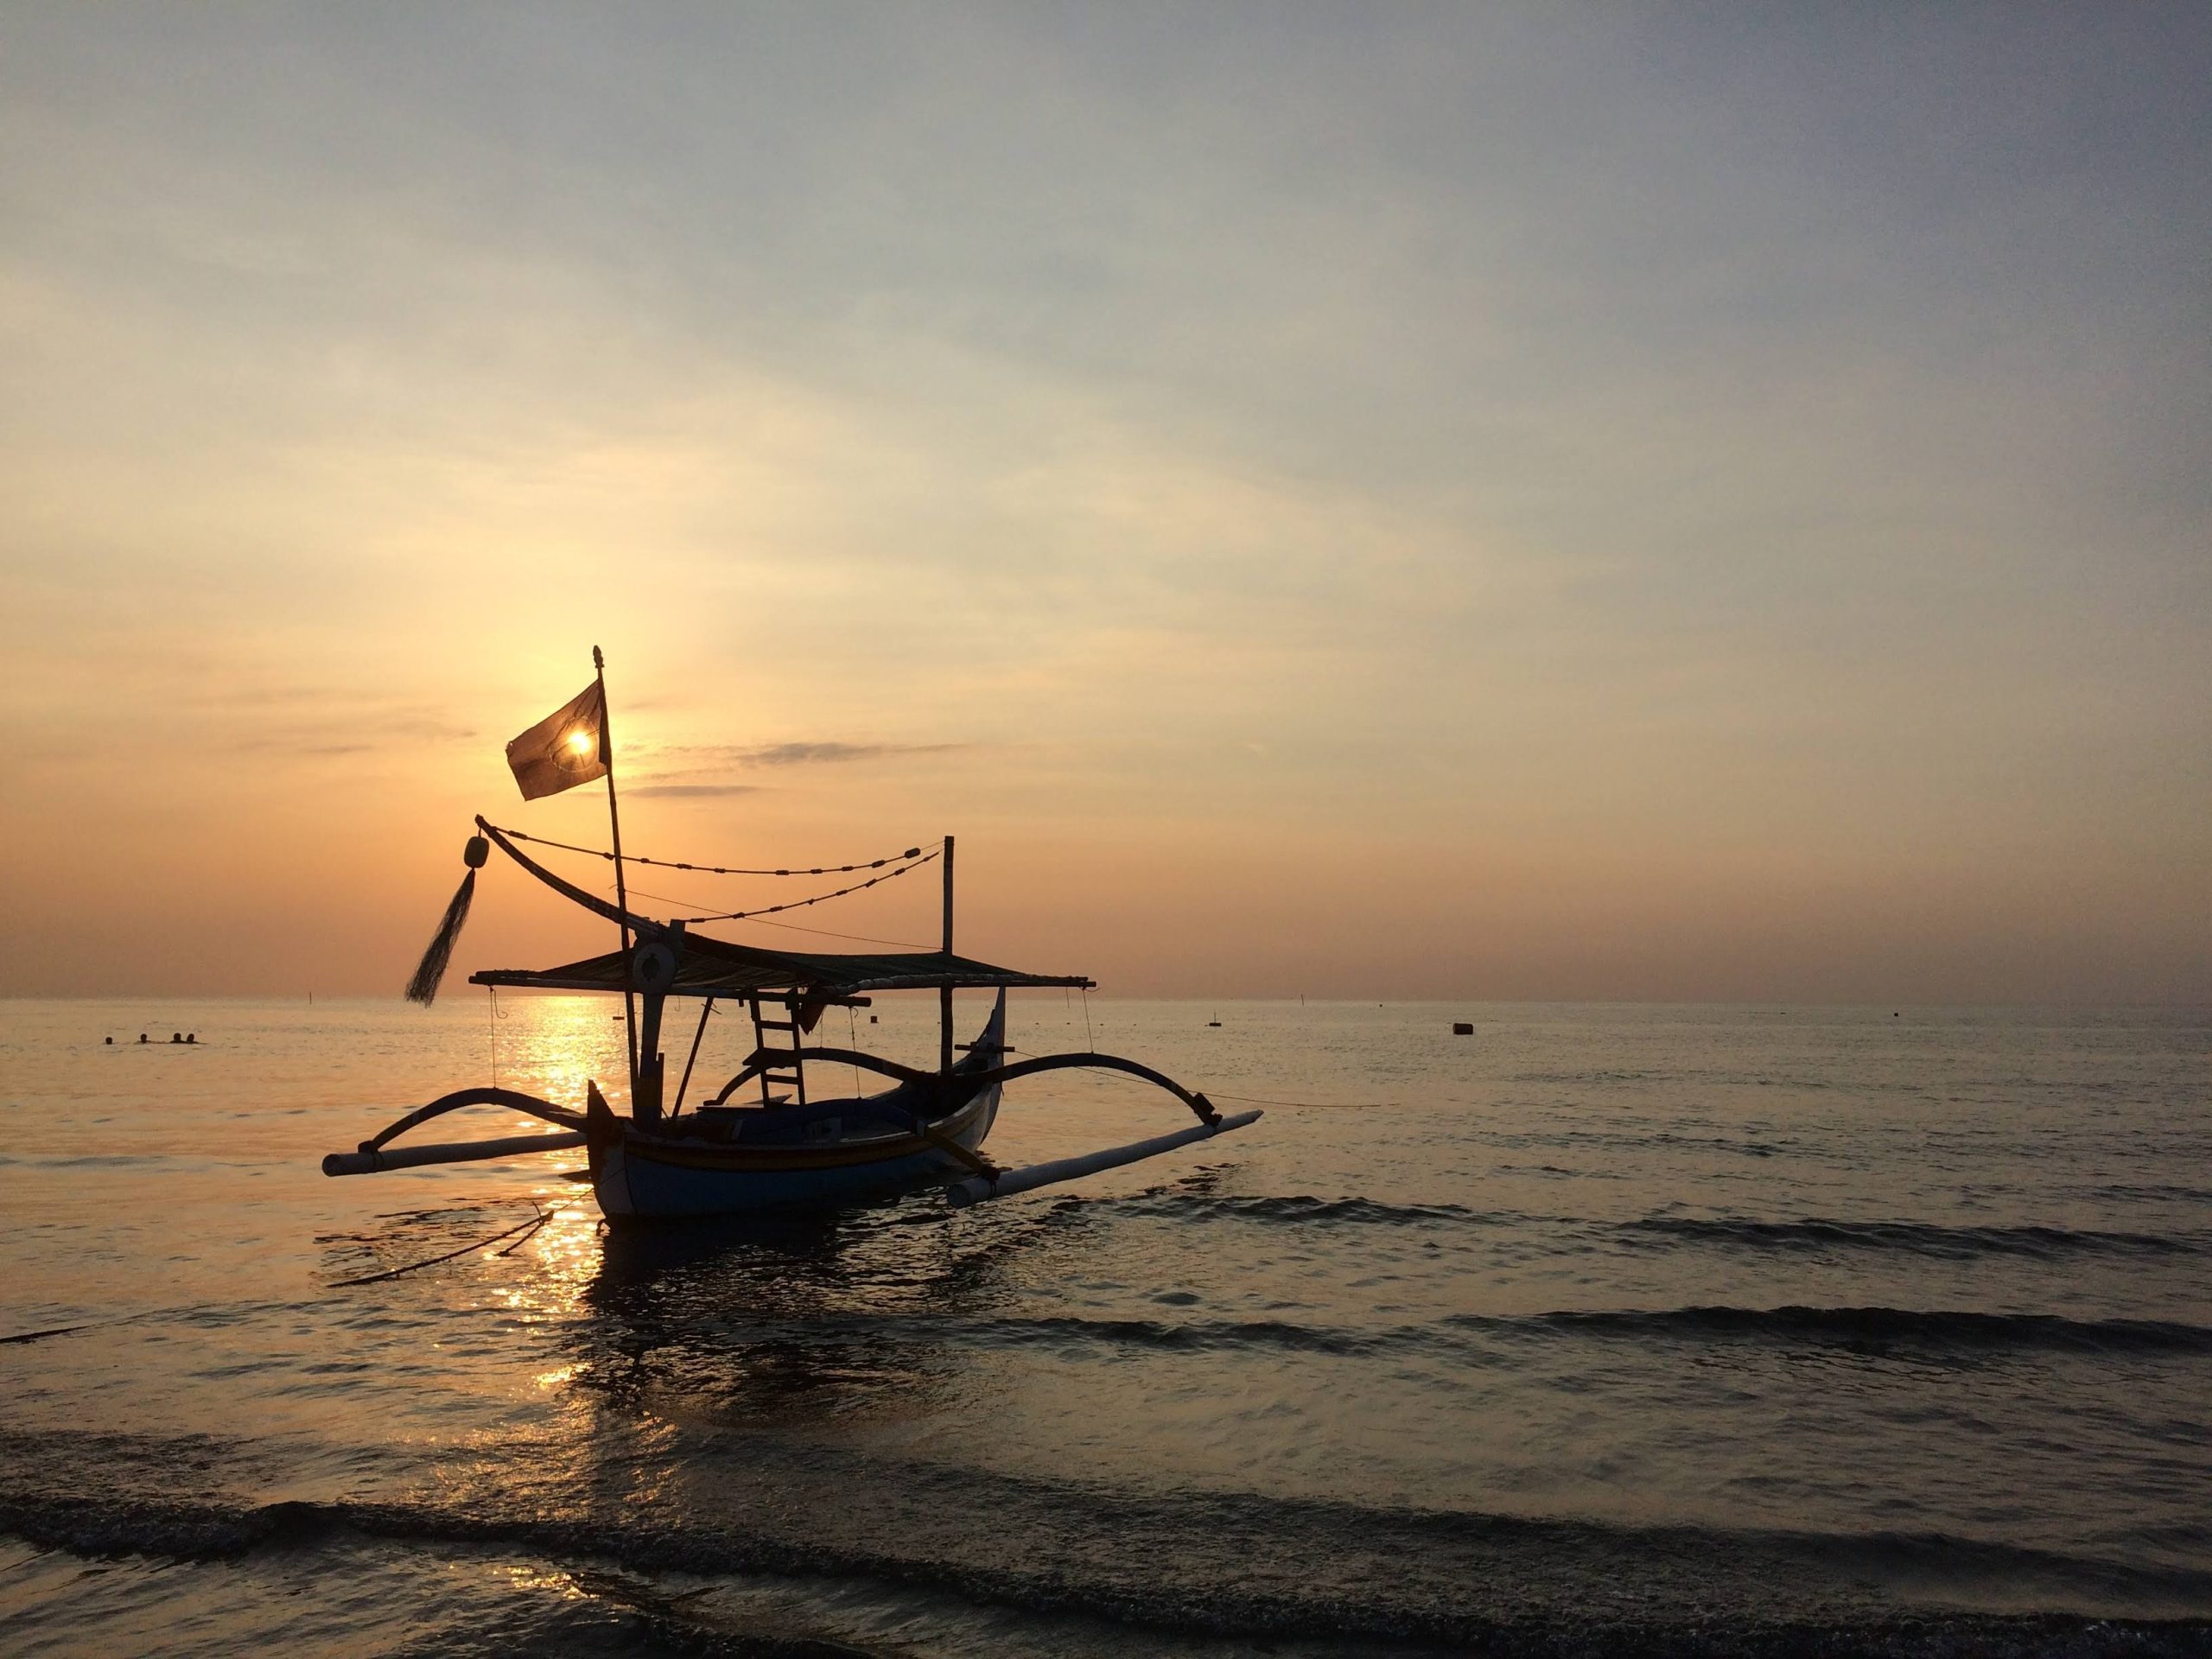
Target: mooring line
{"x":131,"y":1318}
{"x":529,"y":1230}
{"x":63,"y":1331}
{"x":532,"y":1224}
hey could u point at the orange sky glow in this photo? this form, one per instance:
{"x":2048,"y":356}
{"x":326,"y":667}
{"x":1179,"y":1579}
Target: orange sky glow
{"x":1307,"y":519}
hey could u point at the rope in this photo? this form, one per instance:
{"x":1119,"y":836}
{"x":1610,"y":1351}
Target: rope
{"x":794,"y":903}
{"x":498,"y":1014}
{"x":709,"y":870}
{"x":138,"y":1318}
{"x":859,"y":938}
{"x":531,"y":1225}
{"x":528,"y":1228}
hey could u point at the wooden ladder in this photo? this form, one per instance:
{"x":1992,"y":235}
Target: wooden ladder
{"x":780,"y":1065}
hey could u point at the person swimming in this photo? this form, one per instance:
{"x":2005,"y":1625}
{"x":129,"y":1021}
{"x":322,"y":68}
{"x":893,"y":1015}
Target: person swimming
{"x":143,"y":1037}
{"x":176,"y":1036}
{"x":191,"y":1036}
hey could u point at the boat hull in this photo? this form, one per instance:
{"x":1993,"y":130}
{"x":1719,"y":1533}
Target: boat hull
{"x":643,"y":1177}
{"x":844,"y":1152}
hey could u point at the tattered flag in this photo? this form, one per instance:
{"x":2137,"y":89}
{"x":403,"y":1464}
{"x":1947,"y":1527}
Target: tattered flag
{"x":565,"y":749}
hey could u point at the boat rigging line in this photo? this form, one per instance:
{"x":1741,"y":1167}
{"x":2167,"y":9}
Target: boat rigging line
{"x":795,"y":927}
{"x":800,"y":904}
{"x":709,"y":869}
{"x":860,"y":938}
{"x":528,"y":1228}
{"x":853,"y":1032}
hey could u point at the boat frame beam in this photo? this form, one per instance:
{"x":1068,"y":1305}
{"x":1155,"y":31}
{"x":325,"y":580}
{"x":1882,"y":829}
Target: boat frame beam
{"x":1202,"y":1108}
{"x":371,"y":1157}
{"x":514,"y":1100}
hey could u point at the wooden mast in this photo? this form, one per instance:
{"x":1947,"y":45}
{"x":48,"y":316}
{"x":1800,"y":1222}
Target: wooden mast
{"x":944,"y":992}
{"x":621,"y":891}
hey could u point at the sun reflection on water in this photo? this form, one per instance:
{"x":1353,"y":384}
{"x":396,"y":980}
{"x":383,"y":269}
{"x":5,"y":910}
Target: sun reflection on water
{"x":553,"y":1045}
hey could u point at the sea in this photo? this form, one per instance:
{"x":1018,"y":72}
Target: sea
{"x":1603,"y":1329}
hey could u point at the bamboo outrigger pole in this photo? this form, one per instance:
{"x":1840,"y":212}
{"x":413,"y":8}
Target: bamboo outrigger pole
{"x":621,"y":893}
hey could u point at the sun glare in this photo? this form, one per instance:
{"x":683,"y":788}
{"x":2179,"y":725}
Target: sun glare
{"x":579,"y":741}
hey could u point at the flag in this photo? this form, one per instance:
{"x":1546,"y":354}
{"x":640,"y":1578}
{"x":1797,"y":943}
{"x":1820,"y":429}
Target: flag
{"x":564,"y":749}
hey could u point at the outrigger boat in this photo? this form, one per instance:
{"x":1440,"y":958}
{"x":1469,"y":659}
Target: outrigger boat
{"x":762,"y":1141}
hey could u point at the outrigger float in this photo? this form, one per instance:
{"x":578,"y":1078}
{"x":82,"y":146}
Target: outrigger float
{"x":762,"y":1141}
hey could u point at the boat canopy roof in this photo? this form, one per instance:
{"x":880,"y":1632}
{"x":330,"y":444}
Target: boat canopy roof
{"x":715,"y":968}
{"x":707,"y":967}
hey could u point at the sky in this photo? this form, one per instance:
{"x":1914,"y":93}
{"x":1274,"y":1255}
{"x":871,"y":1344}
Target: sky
{"x":1655,"y":502}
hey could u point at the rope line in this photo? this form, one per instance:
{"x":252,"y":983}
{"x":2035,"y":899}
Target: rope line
{"x":142,"y":1316}
{"x":530,"y":1228}
{"x":795,"y":927}
{"x":796,"y":904}
{"x":709,"y":870}
{"x":861,"y":938}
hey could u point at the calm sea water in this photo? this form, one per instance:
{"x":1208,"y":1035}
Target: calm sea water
{"x":1605,"y":1329}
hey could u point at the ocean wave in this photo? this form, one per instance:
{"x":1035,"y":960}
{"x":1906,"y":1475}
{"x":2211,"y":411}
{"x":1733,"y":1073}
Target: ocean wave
{"x":2153,"y":1193}
{"x":1596,"y":1074}
{"x":1524,"y":1139}
{"x":1506,"y":1584}
{"x":1863,"y":1326}
{"x":1467,"y":1338}
{"x":1300,"y":1209}
{"x":1198,"y":1335}
{"x":1917,"y":1238}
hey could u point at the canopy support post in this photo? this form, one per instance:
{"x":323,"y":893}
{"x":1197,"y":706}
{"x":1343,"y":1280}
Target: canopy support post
{"x":944,"y":992}
{"x":705,"y":1008}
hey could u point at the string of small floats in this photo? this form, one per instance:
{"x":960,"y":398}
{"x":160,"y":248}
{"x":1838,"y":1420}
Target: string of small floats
{"x":899,"y":864}
{"x":422,"y":987}
{"x":710,"y":869}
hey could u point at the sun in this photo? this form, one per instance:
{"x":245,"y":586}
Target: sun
{"x":580,"y":741}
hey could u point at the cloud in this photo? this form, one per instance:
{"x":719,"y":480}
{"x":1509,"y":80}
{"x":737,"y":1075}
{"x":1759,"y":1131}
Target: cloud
{"x":800,"y":754}
{"x":694,"y":791}
{"x":363,"y":730}
{"x":828,"y":752}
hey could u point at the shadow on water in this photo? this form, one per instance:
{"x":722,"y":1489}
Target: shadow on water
{"x":790,"y":1316}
